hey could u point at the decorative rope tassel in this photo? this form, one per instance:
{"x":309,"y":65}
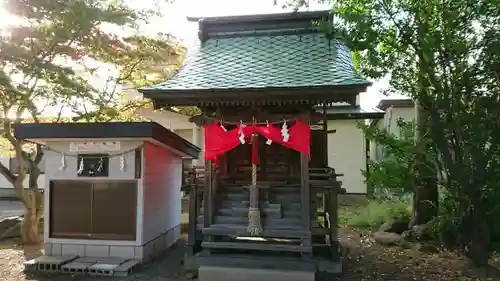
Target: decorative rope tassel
{"x":254,"y":223}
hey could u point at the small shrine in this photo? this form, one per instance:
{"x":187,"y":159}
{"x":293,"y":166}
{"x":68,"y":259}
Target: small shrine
{"x":112,"y":197}
{"x":264,"y":205}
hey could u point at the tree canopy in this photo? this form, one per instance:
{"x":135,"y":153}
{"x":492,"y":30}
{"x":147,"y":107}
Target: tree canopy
{"x":53,"y":58}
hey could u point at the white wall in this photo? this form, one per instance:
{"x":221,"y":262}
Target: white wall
{"x":162,"y":196}
{"x":347,"y":154}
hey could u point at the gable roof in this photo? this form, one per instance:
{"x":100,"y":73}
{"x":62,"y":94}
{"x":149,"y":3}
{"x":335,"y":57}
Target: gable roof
{"x":253,"y":53}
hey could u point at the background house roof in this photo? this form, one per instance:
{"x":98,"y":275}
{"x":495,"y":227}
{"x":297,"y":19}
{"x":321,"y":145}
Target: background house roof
{"x":386,"y":103}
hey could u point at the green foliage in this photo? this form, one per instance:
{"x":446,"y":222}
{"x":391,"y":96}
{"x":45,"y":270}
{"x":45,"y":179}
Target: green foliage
{"x":48,"y":60}
{"x":393,"y":175}
{"x":444,"y":54}
{"x":374,"y":213}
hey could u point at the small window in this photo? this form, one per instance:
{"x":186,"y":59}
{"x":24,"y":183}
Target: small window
{"x":93,"y":165}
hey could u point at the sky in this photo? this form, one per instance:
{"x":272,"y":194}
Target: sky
{"x":174,"y":21}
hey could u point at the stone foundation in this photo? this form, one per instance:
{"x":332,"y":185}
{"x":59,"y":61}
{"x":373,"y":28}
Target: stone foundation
{"x":211,"y":273}
{"x":144,"y":253}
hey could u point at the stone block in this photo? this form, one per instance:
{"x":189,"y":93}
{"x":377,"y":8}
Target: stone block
{"x":56,"y":249}
{"x":48,"y":249}
{"x":97,"y":250}
{"x":216,"y":273}
{"x":73,"y":249}
{"x":126,"y":268}
{"x":138,"y":253}
{"x":122,"y":251}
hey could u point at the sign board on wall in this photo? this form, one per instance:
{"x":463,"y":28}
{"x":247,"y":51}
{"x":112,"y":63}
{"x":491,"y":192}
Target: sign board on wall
{"x":94,"y":146}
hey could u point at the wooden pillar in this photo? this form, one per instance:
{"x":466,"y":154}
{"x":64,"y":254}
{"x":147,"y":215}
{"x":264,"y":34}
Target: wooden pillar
{"x":305,"y":195}
{"x":193,"y":216}
{"x":208,"y":195}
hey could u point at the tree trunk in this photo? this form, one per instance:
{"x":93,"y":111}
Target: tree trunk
{"x":33,"y":211}
{"x":478,"y":236}
{"x":425,"y":197}
{"x":30,"y":229}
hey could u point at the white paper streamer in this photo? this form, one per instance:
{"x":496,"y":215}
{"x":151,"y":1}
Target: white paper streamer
{"x":122,"y":163}
{"x":268,"y":142}
{"x":80,"y":167}
{"x":63,"y":162}
{"x":241,"y":134}
{"x":284,"y":132}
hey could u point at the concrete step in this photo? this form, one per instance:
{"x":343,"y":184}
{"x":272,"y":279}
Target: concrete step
{"x":242,"y":231}
{"x":272,"y":222}
{"x":278,"y":247}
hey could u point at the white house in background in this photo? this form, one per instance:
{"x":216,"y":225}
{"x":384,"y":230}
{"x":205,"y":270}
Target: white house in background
{"x":346,"y":148}
{"x":6,"y":188}
{"x":393,"y":109}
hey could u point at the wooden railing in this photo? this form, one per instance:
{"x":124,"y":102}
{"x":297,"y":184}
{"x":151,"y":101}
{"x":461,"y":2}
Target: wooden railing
{"x":323,"y":182}
{"x":200,"y":187}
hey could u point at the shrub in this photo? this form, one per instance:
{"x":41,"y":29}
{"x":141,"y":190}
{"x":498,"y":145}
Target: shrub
{"x":374,"y":213}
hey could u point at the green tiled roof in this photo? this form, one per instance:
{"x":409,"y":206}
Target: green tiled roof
{"x":277,"y":61}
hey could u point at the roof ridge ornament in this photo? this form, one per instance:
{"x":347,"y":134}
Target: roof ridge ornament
{"x":202,"y":32}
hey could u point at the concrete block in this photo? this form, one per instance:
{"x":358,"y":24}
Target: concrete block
{"x":101,"y":269}
{"x":76,"y":267}
{"x":138,"y":253}
{"x":121,"y":251}
{"x":48,"y":249}
{"x":126,"y":268}
{"x":53,"y":263}
{"x":97,"y":250}
{"x":31,"y":265}
{"x":70,"y":249}
{"x":212,"y":273}
{"x":56,"y":249}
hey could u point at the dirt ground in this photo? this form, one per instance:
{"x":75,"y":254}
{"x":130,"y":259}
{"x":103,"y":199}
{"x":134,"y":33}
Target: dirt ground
{"x":365,"y":261}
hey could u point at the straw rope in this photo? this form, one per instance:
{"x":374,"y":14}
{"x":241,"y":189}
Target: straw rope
{"x":254,"y":223}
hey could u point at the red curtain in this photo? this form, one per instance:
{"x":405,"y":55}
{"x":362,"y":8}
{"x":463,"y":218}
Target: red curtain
{"x":219,"y":141}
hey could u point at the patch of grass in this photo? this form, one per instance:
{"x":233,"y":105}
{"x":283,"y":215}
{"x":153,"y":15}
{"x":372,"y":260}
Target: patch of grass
{"x":374,"y":213}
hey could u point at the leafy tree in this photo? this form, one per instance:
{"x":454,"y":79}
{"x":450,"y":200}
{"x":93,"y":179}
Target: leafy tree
{"x":47,"y":61}
{"x":393,"y":174}
{"x":445,"y":55}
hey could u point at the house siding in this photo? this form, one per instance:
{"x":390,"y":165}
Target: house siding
{"x":347,"y":154}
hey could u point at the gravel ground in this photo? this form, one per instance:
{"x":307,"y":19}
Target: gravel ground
{"x":166,"y":268}
{"x":366,"y":261}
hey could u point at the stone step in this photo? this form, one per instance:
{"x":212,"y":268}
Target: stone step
{"x":273,"y":228}
{"x":243,"y":211}
{"x":282,"y":247}
{"x":272,"y":222}
{"x":242,"y":230}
